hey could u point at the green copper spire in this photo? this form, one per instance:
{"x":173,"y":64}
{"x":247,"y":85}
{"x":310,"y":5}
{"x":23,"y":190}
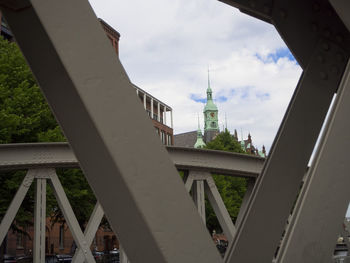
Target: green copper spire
{"x":210,"y":111}
{"x":199,"y":143}
{"x":209,"y":89}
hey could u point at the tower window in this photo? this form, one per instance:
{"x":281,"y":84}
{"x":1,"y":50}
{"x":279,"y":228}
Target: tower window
{"x":213,"y":124}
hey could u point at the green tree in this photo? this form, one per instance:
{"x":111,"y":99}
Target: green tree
{"x":224,"y":141}
{"x":231,"y":189}
{"x":26,"y":117}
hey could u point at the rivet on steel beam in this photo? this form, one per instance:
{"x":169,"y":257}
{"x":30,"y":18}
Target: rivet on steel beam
{"x":320,"y":58}
{"x":339,"y":57}
{"x":325,"y":46}
{"x":283,"y":13}
{"x":323,"y":75}
{"x":316,"y":7}
{"x":339,"y":38}
{"x":252,"y":3}
{"x":335,"y":70}
{"x":327,"y":33}
{"x":267,"y":9}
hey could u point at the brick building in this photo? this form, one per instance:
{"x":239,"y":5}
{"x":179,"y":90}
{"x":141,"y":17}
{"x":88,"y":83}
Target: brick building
{"x":58,"y":240}
{"x":160,"y":113}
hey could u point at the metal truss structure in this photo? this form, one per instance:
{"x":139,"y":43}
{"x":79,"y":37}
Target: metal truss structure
{"x":41,"y":160}
{"x":71,"y":59}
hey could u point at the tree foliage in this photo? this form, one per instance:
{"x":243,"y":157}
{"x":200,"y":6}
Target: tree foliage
{"x":224,"y":141}
{"x":231,"y":189}
{"x":26,"y":117}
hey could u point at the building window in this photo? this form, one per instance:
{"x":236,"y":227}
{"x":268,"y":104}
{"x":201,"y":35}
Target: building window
{"x":61,"y":237}
{"x":155,"y":116}
{"x":169,"y":139}
{"x":163,"y":137}
{"x":161,"y":119}
{"x":157,"y":131}
{"x":149,"y":113}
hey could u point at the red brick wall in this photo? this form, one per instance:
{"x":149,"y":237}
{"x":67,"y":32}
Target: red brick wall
{"x":105,"y":239}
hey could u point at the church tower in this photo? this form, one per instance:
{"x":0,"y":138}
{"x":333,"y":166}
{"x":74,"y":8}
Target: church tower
{"x":211,"y":123}
{"x":199,"y":143}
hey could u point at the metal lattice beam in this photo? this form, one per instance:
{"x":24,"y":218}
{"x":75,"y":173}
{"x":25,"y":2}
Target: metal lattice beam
{"x":60,"y":155}
{"x":325,"y":196}
{"x":87,"y":88}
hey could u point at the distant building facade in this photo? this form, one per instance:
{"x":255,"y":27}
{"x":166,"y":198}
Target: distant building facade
{"x":160,"y":113}
{"x":58,"y":240}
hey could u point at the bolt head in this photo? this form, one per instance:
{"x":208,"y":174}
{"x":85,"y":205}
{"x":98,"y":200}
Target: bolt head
{"x":316,"y":7}
{"x":323,"y":75}
{"x":327,"y":33}
{"x":325,"y":46}
{"x":252,"y":4}
{"x":267,"y":9}
{"x":339,"y":57}
{"x":320,"y":58}
{"x":335,"y":70}
{"x":283,"y":13}
{"x":339,"y":38}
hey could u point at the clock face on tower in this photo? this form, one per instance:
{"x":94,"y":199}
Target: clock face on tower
{"x":212,"y":114}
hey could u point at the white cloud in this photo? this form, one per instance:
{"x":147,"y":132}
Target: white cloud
{"x":166,"y":47}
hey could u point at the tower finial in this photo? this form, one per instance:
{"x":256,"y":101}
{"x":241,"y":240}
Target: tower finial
{"x":198,"y":121}
{"x":208,"y":78}
{"x":225,"y":121}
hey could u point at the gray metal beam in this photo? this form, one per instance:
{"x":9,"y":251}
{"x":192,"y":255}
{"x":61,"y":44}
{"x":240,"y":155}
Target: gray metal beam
{"x":189,"y":182}
{"x":90,"y":231}
{"x":69,"y":216}
{"x":17,"y":156}
{"x":15,"y":204}
{"x":342,"y":7}
{"x":277,"y":186}
{"x":199,"y":198}
{"x":87,"y":87}
{"x":39,"y":220}
{"x":326,"y":195}
{"x":244,"y":204}
{"x":60,"y":155}
{"x":219,"y":208}
{"x":217,"y":162}
{"x":261,"y":9}
{"x":301,"y":24}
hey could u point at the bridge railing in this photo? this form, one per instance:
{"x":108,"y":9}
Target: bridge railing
{"x":41,"y":159}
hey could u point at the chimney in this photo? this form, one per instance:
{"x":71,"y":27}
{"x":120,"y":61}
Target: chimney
{"x":112,"y":35}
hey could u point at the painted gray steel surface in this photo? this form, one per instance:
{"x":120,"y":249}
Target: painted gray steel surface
{"x":87,"y":88}
{"x":320,"y":43}
{"x":82,"y":83}
{"x":60,"y":155}
{"x":320,"y":211}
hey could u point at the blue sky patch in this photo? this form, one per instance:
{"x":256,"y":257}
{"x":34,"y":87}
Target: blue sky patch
{"x":221,"y":99}
{"x":198,"y":98}
{"x":274,"y":57}
{"x":263,"y":96}
{"x":245,"y":94}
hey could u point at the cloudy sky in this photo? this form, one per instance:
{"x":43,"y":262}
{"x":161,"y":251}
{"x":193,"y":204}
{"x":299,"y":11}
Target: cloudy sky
{"x":167,"y":46}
